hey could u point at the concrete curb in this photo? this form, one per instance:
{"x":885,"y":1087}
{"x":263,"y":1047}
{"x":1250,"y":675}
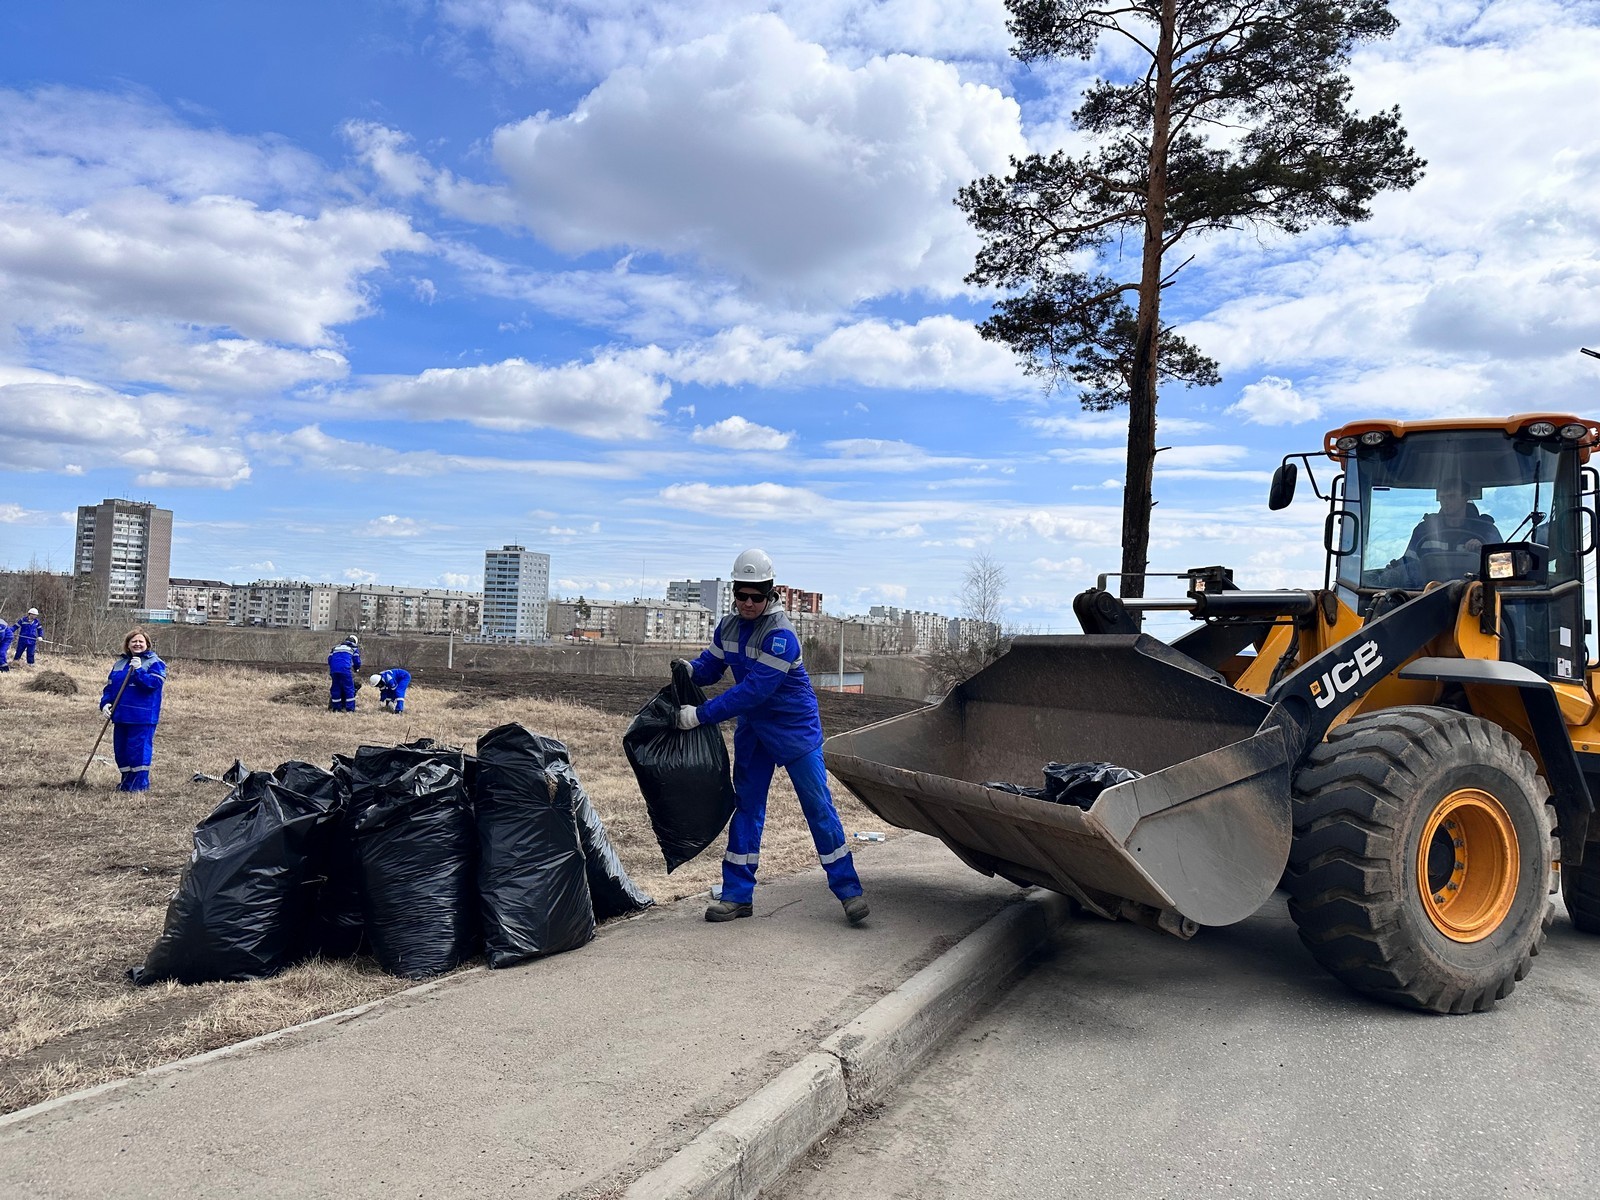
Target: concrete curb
{"x":761,"y":1138}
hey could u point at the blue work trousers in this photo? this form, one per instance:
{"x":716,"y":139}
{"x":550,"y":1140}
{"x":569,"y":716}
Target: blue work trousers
{"x":24,"y":648}
{"x":341,"y":691}
{"x":132,"y":745}
{"x":752,"y":776}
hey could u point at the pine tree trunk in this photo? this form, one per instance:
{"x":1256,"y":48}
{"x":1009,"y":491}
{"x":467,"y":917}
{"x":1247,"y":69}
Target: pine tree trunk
{"x":1138,"y":491}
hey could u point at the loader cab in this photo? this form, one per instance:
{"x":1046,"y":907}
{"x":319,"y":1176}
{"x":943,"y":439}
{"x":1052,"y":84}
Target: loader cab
{"x":1418,"y":502}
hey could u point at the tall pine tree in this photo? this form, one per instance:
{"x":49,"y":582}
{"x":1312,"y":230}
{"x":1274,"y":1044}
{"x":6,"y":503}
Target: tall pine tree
{"x":1236,"y":114}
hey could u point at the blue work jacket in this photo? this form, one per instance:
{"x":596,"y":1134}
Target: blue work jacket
{"x":771,"y":693}
{"x":140,"y":703}
{"x":344,"y":660}
{"x":392,"y":684}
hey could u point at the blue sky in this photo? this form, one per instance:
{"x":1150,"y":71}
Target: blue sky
{"x":361,"y":290}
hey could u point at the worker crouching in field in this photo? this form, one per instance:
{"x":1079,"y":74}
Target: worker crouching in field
{"x":343,"y":663}
{"x":132,"y":701}
{"x":392,"y":685}
{"x":778,"y":726}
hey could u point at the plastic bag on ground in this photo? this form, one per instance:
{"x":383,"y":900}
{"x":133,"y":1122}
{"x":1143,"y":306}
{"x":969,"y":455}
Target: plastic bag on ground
{"x":683,"y":774}
{"x":417,"y":848}
{"x":611,"y":891}
{"x":241,"y":906}
{"x":1078,"y":784}
{"x":532,"y":879}
{"x":338,"y":925}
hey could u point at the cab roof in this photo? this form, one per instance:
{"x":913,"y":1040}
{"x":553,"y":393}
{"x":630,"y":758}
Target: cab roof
{"x":1508,"y":425}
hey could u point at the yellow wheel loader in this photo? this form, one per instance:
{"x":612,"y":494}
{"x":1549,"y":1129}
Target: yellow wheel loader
{"x":1409,"y":750}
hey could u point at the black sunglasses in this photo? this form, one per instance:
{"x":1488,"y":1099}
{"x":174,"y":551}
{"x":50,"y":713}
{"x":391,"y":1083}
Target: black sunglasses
{"x":750,"y":597}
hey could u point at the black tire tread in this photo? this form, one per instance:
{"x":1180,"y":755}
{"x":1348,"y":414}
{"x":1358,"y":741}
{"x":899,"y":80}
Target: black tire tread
{"x":1350,"y":797}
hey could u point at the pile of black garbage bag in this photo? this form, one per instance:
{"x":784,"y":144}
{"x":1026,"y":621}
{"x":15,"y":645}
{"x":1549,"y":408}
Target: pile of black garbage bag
{"x":1078,"y":784}
{"x":419,"y":854}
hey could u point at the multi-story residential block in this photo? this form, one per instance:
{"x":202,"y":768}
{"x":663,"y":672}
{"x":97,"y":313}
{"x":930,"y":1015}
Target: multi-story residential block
{"x":200,"y":601}
{"x":516,"y":595}
{"x":123,"y":553}
{"x":795,"y":600}
{"x":663,"y":621}
{"x":714,"y":595}
{"x":284,"y":604}
{"x":379,"y":608}
{"x":584,"y":617}
{"x":964,"y":631}
{"x":921,"y":632}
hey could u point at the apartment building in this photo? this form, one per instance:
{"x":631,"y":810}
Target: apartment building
{"x":283,"y":604}
{"x":587,"y":618}
{"x":379,"y":608}
{"x":796,"y":600}
{"x":200,"y":601}
{"x":663,"y":621}
{"x":123,"y":553}
{"x":920,"y":632}
{"x":516,"y":595}
{"x":714,"y":595}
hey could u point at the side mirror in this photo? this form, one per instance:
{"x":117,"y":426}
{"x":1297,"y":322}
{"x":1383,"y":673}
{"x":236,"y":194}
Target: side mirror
{"x":1283,"y":481}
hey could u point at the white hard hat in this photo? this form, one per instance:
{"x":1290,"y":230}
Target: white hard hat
{"x":753,"y":566}
{"x":375,"y":680}
{"x":353,"y":640}
{"x":33,"y":612}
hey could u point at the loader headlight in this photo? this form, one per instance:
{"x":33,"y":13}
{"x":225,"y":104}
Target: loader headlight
{"x":1374,"y":437}
{"x":1348,"y":442}
{"x":1502,"y":565}
{"x":1542,"y":429}
{"x":1573,"y":432}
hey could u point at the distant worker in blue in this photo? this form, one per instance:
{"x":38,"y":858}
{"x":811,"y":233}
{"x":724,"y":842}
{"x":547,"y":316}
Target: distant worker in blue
{"x":7,"y":632}
{"x":779,"y":726}
{"x":392,"y":685}
{"x":132,"y":703}
{"x":343,"y":663}
{"x":29,"y":630}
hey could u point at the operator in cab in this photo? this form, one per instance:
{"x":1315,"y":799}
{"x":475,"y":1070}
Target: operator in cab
{"x":1440,"y":538}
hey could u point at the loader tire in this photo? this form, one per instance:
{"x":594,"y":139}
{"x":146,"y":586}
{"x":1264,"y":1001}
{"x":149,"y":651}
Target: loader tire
{"x":1580,"y":888}
{"x":1422,"y":864}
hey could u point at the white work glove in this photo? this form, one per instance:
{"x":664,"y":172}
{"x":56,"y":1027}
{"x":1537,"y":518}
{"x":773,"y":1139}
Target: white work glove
{"x":683,"y":662}
{"x":687,"y":717}
{"x":105,"y":710}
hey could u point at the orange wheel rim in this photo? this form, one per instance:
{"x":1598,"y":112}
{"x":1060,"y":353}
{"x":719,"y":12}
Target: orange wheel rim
{"x":1467,"y":865}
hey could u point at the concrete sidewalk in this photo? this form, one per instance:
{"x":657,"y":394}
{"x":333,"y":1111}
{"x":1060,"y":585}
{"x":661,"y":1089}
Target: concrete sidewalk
{"x":569,"y":1077}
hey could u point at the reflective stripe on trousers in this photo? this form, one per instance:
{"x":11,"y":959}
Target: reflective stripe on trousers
{"x":752,"y":777}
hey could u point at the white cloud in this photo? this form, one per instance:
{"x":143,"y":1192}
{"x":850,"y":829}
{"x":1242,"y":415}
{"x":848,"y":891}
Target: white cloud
{"x":311,"y":449}
{"x":457,"y":580}
{"x":1110,"y":425}
{"x":391,"y":525}
{"x":357,"y":575}
{"x":936,"y":352}
{"x":752,"y":152}
{"x":746,"y":502}
{"x":736,"y":433}
{"x":55,"y":422}
{"x":605,"y":399}
{"x":592,"y":38}
{"x":1273,"y":400}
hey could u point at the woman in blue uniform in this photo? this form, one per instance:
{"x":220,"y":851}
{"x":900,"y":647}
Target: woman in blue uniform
{"x":132,"y":699}
{"x":779,"y":726}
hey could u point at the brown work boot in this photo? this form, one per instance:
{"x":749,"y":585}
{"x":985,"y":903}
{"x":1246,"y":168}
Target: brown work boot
{"x":727,"y":910}
{"x":856,"y":909}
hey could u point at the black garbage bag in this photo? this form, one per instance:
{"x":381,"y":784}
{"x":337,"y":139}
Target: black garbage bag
{"x":338,"y":925}
{"x":1078,"y":784}
{"x":417,"y":849}
{"x":532,"y":882}
{"x":1081,"y":783}
{"x":333,"y":925}
{"x":611,"y":891}
{"x":241,"y":906}
{"x":683,"y":774}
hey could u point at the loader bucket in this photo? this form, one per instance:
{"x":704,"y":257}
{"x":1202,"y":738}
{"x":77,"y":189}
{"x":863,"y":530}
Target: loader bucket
{"x":1204,"y":835}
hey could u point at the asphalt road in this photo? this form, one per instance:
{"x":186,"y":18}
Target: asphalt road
{"x":1128,"y":1064}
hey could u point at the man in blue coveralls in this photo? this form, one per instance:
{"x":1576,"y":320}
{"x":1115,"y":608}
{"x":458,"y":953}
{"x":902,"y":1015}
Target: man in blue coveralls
{"x":392,"y":685}
{"x":778,"y":727}
{"x":344,"y":660}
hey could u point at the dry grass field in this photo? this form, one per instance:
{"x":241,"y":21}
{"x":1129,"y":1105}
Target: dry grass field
{"x":85,"y":872}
